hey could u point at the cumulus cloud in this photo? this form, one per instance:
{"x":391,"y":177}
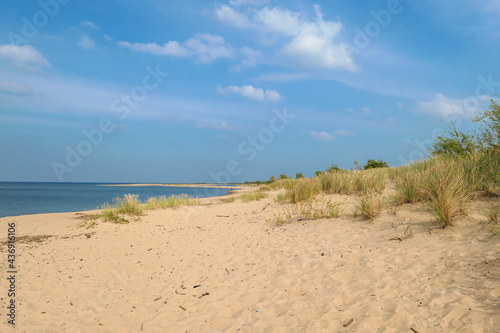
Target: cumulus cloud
{"x":322,"y":136}
{"x":13,"y":88}
{"x":23,"y":56}
{"x":89,"y":24}
{"x":86,"y":43}
{"x":445,"y":107}
{"x":251,"y":92}
{"x":250,"y":58}
{"x":308,"y":44}
{"x":204,"y":48}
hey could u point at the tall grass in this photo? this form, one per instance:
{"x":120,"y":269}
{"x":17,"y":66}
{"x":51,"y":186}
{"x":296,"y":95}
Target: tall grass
{"x":369,"y":205}
{"x":348,"y":183}
{"x":172,"y":201}
{"x":302,"y":189}
{"x":247,"y":197}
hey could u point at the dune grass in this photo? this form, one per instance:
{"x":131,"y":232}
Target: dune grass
{"x":306,"y":210}
{"x":302,"y":189}
{"x":369,"y":205}
{"x":172,"y":201}
{"x":254,"y":196}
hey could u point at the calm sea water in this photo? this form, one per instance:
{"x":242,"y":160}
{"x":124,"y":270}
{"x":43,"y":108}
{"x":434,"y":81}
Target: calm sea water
{"x":38,"y":198}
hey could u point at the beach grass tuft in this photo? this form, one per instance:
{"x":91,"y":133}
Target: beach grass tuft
{"x":170,"y":202}
{"x":369,"y":205}
{"x":255,"y":196}
{"x":306,"y":210}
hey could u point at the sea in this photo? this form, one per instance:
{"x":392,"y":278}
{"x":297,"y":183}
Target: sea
{"x":39,"y":198}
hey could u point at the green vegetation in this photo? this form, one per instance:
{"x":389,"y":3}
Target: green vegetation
{"x":369,"y":205}
{"x":247,"y":197}
{"x":299,"y":175}
{"x":306,"y":210}
{"x":372,"y":164}
{"x":172,"y":201}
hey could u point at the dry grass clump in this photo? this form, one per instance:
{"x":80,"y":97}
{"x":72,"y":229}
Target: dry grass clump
{"x":129,"y":204}
{"x":369,"y":205}
{"x":265,"y":188}
{"x":302,"y":189}
{"x":446,"y":189}
{"x":279,"y":184}
{"x":247,"y":197}
{"x":493,"y":213}
{"x":306,"y":210}
{"x":337,"y":182}
{"x":409,"y":185}
{"x":172,"y":201}
{"x":351,"y":182}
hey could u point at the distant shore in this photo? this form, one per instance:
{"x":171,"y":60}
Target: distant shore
{"x":183,"y":185}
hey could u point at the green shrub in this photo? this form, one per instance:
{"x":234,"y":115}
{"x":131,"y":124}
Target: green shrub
{"x":372,"y":164}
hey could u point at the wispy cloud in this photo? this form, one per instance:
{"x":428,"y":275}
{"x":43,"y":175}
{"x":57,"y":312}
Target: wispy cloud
{"x":16,"y":89}
{"x":89,"y":24}
{"x":307,"y":44}
{"x":251,"y":92}
{"x":442,"y":106}
{"x":205,"y":48}
{"x":322,"y":136}
{"x":344,"y":133}
{"x":86,"y":43}
{"x":247,"y":2}
{"x":23,"y":56}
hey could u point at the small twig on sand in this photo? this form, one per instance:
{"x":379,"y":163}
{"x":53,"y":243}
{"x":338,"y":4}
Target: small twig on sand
{"x":349,"y":322}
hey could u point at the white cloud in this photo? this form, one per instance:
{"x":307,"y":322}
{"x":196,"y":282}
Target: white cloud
{"x":364,"y":111}
{"x":308,"y":44}
{"x":445,"y":107}
{"x":344,"y":133}
{"x":253,"y":93}
{"x":228,"y":15}
{"x":204,"y":47}
{"x":86,"y":42}
{"x":89,"y":24}
{"x":23,"y":56}
{"x":13,"y":88}
{"x":322,"y":136}
{"x":247,"y":2}
{"x":251,"y":57}
{"x":107,"y":37}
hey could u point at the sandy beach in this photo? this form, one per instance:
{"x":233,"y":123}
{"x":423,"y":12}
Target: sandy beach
{"x":224,"y":267}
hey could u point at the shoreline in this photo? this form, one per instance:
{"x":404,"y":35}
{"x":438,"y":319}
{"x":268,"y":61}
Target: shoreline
{"x":236,"y":190}
{"x":178,"y":185}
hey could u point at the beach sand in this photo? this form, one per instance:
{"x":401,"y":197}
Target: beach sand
{"x":223,"y":267}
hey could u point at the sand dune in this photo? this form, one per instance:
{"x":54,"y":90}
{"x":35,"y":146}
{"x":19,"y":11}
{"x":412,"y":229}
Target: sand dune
{"x":223,"y":267}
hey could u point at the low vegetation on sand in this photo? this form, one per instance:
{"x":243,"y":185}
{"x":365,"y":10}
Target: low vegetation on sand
{"x":462,"y":167}
{"x":130,"y":206}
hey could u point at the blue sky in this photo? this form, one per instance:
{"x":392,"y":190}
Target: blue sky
{"x":202,"y":91}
